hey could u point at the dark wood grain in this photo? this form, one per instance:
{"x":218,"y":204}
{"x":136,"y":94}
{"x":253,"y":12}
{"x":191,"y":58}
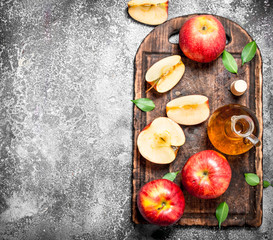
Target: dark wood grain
{"x":213,"y":81}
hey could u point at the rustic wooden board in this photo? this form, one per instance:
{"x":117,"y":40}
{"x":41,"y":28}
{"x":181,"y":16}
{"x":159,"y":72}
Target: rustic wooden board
{"x":212,"y":80}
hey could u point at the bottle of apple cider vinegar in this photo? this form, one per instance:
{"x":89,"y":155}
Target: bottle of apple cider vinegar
{"x":232,"y":129}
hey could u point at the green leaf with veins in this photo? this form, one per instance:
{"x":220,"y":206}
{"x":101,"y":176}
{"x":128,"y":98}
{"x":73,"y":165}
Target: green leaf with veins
{"x":252,"y":179}
{"x":144,"y":104}
{"x":229,"y":62}
{"x":222,"y":213}
{"x":248,"y":52}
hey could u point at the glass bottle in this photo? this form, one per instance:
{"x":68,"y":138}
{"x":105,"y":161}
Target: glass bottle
{"x":232,"y":129}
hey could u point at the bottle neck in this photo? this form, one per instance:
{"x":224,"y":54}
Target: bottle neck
{"x":242,"y":126}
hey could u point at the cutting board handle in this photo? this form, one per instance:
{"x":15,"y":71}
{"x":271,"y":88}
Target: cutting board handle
{"x":175,"y":40}
{"x":173,"y":29}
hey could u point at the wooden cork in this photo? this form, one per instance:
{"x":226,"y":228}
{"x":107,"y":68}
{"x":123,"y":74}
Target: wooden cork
{"x":238,"y":87}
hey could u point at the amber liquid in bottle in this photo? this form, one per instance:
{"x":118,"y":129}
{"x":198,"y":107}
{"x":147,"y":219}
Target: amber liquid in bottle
{"x":222,"y":135}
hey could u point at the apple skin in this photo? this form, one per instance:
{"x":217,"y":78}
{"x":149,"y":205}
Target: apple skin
{"x":206,"y":174}
{"x":202,"y":45}
{"x":146,"y":127}
{"x":152,"y":197}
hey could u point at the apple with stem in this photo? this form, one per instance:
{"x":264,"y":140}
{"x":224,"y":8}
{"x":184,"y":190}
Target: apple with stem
{"x":160,"y":140}
{"x":202,"y":38}
{"x":206,"y":174}
{"x":165,"y":74}
{"x":151,"y":12}
{"x":161,"y":202}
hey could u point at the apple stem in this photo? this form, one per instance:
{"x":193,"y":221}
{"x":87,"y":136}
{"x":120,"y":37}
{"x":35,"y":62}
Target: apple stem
{"x":153,"y":85}
{"x":205,"y":175}
{"x":163,"y":205}
{"x":204,"y":28}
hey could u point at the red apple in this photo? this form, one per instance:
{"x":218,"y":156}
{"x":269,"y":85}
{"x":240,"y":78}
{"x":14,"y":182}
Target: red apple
{"x":206,"y":174}
{"x":161,"y":202}
{"x":202,"y":38}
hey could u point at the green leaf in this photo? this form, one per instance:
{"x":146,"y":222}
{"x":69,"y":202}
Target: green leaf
{"x":171,"y":176}
{"x":266,"y":184}
{"x":222,"y":213}
{"x":144,"y":104}
{"x":252,"y":179}
{"x":248,"y":52}
{"x":229,"y":62}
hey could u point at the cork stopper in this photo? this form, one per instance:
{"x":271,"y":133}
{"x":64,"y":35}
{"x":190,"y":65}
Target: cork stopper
{"x":238,"y":87}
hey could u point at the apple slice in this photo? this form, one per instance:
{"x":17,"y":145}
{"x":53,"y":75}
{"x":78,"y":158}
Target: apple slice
{"x":151,"y":12}
{"x":188,"y":110}
{"x":165,"y":73}
{"x":160,"y":140}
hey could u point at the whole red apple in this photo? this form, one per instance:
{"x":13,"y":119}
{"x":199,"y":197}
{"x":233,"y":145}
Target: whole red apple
{"x":161,"y":202}
{"x":206,"y":174}
{"x":202,"y":38}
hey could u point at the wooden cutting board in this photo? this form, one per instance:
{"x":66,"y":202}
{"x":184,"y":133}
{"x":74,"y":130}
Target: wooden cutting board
{"x":213,"y":81}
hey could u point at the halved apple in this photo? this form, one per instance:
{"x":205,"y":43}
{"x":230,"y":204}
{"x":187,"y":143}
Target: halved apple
{"x":151,"y":12}
{"x":188,"y":110}
{"x":165,"y":73}
{"x":160,"y":140}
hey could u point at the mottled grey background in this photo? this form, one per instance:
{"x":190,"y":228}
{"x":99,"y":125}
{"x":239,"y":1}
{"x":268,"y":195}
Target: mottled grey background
{"x":66,"y":118}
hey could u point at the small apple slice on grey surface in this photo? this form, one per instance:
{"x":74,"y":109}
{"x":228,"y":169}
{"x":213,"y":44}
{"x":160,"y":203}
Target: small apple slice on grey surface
{"x":151,"y":12}
{"x":160,"y":140}
{"x":166,"y":73}
{"x":188,"y":110}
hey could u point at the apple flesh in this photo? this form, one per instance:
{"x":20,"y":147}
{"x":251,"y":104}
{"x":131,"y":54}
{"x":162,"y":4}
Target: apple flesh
{"x":159,"y":141}
{"x":206,"y":174}
{"x":202,"y":38}
{"x":165,"y":73}
{"x":151,"y":12}
{"x":161,"y":202}
{"x":188,"y":110}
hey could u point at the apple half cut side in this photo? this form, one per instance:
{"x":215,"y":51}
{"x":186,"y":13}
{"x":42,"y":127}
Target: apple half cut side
{"x":159,"y":141}
{"x":188,"y":110}
{"x":165,"y":73}
{"x":151,"y":12}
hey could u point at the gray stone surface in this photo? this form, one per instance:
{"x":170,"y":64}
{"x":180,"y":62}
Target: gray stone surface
{"x":66,"y":118}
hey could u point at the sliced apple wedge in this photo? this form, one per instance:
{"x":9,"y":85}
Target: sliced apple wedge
{"x":160,"y":140}
{"x":151,"y":12}
{"x":188,"y":110}
{"x":165,"y":73}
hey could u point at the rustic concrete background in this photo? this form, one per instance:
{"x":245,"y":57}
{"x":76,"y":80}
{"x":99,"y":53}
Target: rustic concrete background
{"x":66,"y":118}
